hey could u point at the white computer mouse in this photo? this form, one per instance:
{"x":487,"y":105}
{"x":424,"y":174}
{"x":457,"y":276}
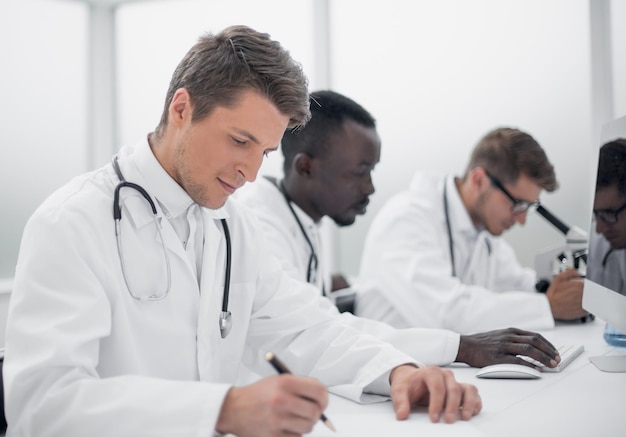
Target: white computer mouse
{"x":508,"y":371}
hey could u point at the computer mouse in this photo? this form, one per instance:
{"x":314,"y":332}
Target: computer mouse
{"x":508,"y":371}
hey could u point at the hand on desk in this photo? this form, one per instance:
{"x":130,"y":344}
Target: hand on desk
{"x":339,"y":282}
{"x":435,"y":387}
{"x":277,"y":405}
{"x":565,"y":295}
{"x":502,"y":346}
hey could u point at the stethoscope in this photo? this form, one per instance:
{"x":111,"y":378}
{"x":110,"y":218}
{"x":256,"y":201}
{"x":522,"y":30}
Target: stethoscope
{"x":449,"y":228}
{"x":313,"y":262}
{"x":606,"y":257}
{"x":225,"y":317}
{"x":619,"y":288}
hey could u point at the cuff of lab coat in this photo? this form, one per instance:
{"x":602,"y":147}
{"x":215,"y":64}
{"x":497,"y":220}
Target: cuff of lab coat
{"x":380,"y":385}
{"x":376,"y":391}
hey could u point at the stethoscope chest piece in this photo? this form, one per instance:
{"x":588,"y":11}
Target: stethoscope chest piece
{"x":226,"y":322}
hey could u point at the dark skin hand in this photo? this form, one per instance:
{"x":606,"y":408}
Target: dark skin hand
{"x":339,"y":282}
{"x":502,"y":346}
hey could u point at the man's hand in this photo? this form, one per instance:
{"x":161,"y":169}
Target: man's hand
{"x":275,"y":406}
{"x":435,"y":387}
{"x":339,"y":282}
{"x":502,"y":346}
{"x":565,"y":295}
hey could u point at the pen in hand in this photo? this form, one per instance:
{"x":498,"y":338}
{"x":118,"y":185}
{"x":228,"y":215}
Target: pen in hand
{"x":281,"y":368}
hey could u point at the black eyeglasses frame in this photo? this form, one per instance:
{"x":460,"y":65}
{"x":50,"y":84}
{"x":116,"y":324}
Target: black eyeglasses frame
{"x":519,"y":206}
{"x":604,"y":214}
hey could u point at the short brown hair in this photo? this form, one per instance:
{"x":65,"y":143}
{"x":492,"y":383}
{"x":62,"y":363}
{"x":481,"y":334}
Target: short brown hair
{"x":219,"y":67}
{"x":507,"y":152}
{"x":612,"y":166}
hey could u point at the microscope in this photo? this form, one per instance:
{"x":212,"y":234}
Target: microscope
{"x":553,"y":260}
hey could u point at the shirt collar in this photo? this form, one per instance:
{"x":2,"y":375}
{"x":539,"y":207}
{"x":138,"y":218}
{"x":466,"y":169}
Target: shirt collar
{"x":458,"y":213}
{"x":304,"y":218}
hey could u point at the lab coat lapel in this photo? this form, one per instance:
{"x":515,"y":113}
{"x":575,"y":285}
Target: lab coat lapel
{"x":173,"y":244}
{"x":480,"y":270}
{"x":136,"y":209}
{"x":472,"y":248}
{"x":211,"y":296}
{"x":491,"y":262}
{"x":143,"y":217}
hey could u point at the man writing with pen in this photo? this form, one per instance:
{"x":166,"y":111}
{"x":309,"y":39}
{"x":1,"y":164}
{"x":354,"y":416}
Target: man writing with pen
{"x":132,"y":326}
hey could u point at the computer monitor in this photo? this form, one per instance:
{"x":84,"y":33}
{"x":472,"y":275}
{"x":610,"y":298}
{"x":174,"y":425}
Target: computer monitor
{"x":604,"y":291}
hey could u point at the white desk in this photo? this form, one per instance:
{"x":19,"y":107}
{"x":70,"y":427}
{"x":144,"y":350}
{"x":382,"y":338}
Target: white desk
{"x":579,"y":401}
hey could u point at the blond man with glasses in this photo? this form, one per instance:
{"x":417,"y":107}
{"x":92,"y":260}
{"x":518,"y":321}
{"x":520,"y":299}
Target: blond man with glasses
{"x":433,"y":256}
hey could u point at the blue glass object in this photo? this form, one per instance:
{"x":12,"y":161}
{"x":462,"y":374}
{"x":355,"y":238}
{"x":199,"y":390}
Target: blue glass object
{"x":614,"y":337}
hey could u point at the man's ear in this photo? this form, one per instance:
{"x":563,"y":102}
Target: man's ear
{"x":180,"y":107}
{"x":479,"y":179}
{"x":302,"y":164}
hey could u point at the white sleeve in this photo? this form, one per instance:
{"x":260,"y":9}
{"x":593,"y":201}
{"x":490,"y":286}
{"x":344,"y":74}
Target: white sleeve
{"x":314,"y":340}
{"x":406,"y":265}
{"x":437,"y":347}
{"x":59,"y":315}
{"x":427,"y":346}
{"x":510,"y":275}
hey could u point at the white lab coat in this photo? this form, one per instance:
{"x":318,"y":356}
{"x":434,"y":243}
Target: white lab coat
{"x":283,"y":233}
{"x":84,"y":358}
{"x":604,"y":268}
{"x":428,"y":346}
{"x":406,"y":268}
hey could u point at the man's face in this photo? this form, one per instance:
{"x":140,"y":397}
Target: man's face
{"x":216,"y":155}
{"x":610,"y":199}
{"x":493,"y":207}
{"x":344,"y":175}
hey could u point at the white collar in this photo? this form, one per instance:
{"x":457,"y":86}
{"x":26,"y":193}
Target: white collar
{"x":458,"y":212}
{"x":173,"y":199}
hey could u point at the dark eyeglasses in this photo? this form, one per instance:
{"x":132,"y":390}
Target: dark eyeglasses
{"x":609,"y":216}
{"x":519,"y":206}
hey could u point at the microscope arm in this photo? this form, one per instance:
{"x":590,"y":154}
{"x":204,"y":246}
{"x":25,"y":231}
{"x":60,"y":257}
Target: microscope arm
{"x":575,"y":243}
{"x":556,"y":222}
{"x":574,"y":236}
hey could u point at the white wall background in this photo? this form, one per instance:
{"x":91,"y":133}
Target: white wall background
{"x":154,"y":36}
{"x":437,"y":75}
{"x":42,"y":115}
{"x":448,"y":71}
{"x":42,"y":121}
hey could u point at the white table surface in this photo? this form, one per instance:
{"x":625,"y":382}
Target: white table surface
{"x":580,"y":401}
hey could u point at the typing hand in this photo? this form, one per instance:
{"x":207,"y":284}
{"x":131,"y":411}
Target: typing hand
{"x":503,"y":346}
{"x":435,"y":387}
{"x":277,"y":405}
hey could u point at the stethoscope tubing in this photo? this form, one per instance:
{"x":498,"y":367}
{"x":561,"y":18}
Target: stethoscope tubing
{"x":313,"y":260}
{"x":448,"y":226}
{"x":225,"y":318}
